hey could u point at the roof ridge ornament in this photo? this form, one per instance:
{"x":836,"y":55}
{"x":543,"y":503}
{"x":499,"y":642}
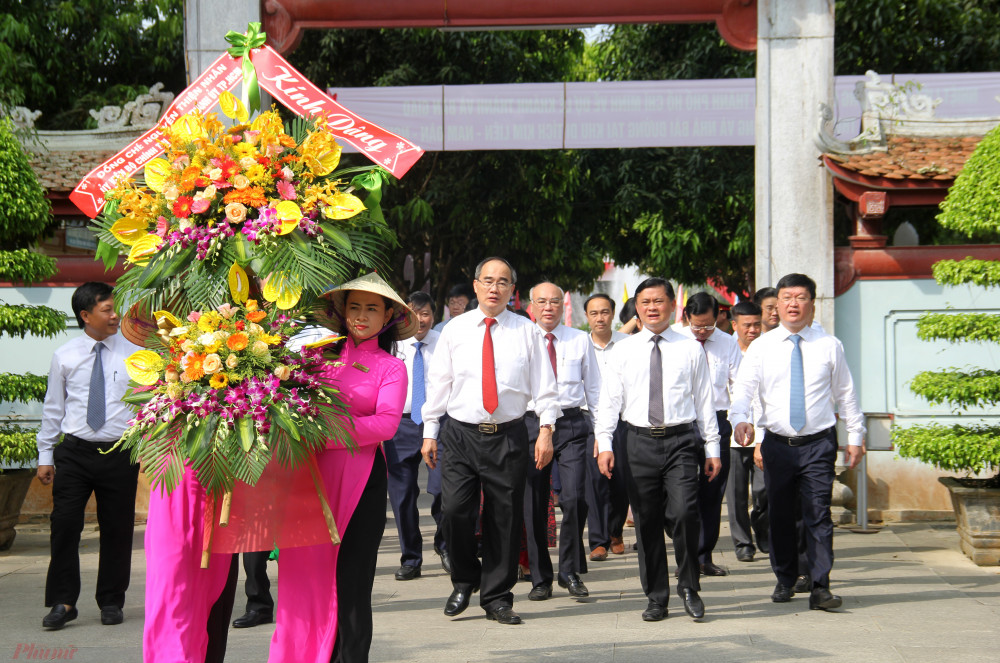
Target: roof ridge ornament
{"x":142,"y":113}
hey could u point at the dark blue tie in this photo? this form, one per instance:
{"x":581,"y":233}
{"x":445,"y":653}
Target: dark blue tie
{"x":797,"y":387}
{"x":417,"y":401}
{"x":95,"y":400}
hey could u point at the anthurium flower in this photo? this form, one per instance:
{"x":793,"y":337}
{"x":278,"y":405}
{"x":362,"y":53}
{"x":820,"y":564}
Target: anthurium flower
{"x":239,"y":282}
{"x":282,"y":289}
{"x":144,"y":248}
{"x":233,"y":108}
{"x":144,"y":366}
{"x":129,"y":230}
{"x":342,"y":206}
{"x":289,"y":214}
{"x":156,"y":173}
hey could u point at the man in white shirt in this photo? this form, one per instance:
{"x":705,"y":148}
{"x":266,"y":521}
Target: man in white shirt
{"x":402,"y":452}
{"x":658,"y":380}
{"x":488,"y":365}
{"x":607,"y":501}
{"x":746,"y":481}
{"x":458,"y":300}
{"x":799,"y":374}
{"x":87,"y":380}
{"x":578,"y":381}
{"x":723,"y":355}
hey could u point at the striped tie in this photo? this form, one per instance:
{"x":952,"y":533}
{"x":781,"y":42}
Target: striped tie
{"x":95,"y":400}
{"x":797,"y":387}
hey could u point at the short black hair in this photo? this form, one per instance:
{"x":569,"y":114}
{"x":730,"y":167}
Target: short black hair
{"x":700,"y":303}
{"x":795,"y":280}
{"x":461,"y":290}
{"x":764,"y":293}
{"x":599,"y":295}
{"x":419,"y":299}
{"x":656,"y":282}
{"x":745,"y":308}
{"x":87,"y":296}
{"x":628,"y":310}
{"x":482,"y":263}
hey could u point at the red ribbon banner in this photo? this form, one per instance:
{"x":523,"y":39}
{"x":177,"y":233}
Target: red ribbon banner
{"x":287,"y":85}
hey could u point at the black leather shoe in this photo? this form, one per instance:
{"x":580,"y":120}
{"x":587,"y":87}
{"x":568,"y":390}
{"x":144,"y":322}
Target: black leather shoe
{"x":710,"y":569}
{"x":782,"y":593}
{"x":744,"y":555}
{"x":458,"y":601}
{"x":822,"y":599}
{"x":540,"y":593}
{"x":111,"y":615}
{"x":692,"y":603}
{"x":445,"y":560}
{"x":58,"y":616}
{"x":253,"y":618}
{"x":503,"y":614}
{"x":802,"y":584}
{"x":575,"y":586}
{"x":654,"y":612}
{"x":407,"y":572}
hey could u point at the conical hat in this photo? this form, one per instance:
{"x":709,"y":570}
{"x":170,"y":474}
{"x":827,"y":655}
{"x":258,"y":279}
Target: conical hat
{"x":405,"y":327}
{"x":138,"y":327}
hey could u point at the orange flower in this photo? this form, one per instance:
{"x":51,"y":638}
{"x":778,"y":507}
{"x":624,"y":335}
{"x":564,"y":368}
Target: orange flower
{"x":189,"y":178}
{"x":256,"y":316}
{"x":237,"y":341}
{"x":193,"y":365}
{"x":252,"y":196}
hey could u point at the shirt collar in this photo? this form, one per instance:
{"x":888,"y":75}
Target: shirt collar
{"x":807,"y":332}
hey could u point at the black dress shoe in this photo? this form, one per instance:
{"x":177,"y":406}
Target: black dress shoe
{"x":692,"y":603}
{"x":710,"y":569}
{"x":654,"y":612}
{"x":540,"y":592}
{"x":253,"y":618}
{"x":575,"y":586}
{"x":503,"y":614}
{"x":458,"y":601}
{"x":445,"y":560}
{"x":802,"y":584}
{"x":782,"y":593}
{"x":407,"y":572}
{"x":822,"y":599}
{"x":744,"y":555}
{"x":58,"y":616}
{"x":111,"y":615}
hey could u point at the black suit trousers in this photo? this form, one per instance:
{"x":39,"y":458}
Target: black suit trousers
{"x":258,"y":585}
{"x":607,"y":500}
{"x":710,"y":493}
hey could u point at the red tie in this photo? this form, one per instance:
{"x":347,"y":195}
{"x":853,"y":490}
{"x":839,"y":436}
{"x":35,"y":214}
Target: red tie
{"x":490,"y":399}
{"x":550,"y":341}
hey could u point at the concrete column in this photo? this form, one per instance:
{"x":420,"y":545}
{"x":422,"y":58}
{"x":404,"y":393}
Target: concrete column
{"x":794,"y":195}
{"x":206,"y":23}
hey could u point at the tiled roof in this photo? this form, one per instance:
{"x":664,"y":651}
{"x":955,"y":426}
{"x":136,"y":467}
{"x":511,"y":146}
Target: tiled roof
{"x":913,"y":158}
{"x":60,"y":171}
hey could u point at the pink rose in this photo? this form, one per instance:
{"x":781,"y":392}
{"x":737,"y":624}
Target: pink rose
{"x":193,"y":316}
{"x":200,"y":205}
{"x":236,"y":212}
{"x":227,"y":310}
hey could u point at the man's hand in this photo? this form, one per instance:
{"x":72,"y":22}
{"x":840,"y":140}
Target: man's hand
{"x":543,"y":448}
{"x":712,"y":468}
{"x":597,"y":451}
{"x":430,"y":452}
{"x":758,"y":458}
{"x":606,"y":462}
{"x":852,"y":455}
{"x":743,"y":434}
{"x":46,"y":473}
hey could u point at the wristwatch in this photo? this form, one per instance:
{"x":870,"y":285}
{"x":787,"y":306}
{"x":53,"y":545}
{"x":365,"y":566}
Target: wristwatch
{"x":551,"y":427}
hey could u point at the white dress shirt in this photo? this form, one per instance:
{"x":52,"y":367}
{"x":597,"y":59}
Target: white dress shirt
{"x":604,"y":353}
{"x":687,"y":389}
{"x":578,"y":378}
{"x":65,"y":408}
{"x":523,"y":372}
{"x":766,"y":370}
{"x":723,"y":354}
{"x":406,"y":350}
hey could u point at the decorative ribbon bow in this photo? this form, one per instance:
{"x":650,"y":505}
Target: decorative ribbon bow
{"x":242,"y":45}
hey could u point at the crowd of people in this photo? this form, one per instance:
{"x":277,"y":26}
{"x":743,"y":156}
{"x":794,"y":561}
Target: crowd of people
{"x":656,"y":422}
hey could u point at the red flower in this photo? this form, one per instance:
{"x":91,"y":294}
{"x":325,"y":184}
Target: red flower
{"x":182,"y":207}
{"x":229,"y":168}
{"x":240,"y":325}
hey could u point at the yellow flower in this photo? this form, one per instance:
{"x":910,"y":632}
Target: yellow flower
{"x":175,"y":391}
{"x":218,"y":381}
{"x":320,"y":153}
{"x":289,"y":214}
{"x":209,"y":321}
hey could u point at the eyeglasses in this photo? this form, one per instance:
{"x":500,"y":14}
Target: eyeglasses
{"x":700,"y":328}
{"x":546,"y":302}
{"x":501,"y":284}
{"x":788,"y":299}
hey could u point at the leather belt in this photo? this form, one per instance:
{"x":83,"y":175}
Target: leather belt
{"x":490,"y":428}
{"x":73,"y":439}
{"x":801,"y":439}
{"x":571,"y":412}
{"x":662,"y":431}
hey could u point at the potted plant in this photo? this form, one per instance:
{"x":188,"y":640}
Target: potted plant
{"x":25,"y":215}
{"x":972,"y":207}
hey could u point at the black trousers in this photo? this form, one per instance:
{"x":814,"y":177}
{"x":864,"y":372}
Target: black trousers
{"x":496,"y":465}
{"x":746,"y":491}
{"x":220,"y":614}
{"x":82,"y":470}
{"x":402,"y":456}
{"x":662,"y":481}
{"x":607,"y":500}
{"x":805,"y":472}
{"x":710,"y":493}
{"x":356,"y":565}
{"x":258,"y":585}
{"x":434,"y":490}
{"x":569,"y":441}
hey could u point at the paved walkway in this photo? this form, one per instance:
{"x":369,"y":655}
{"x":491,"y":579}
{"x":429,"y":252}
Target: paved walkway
{"x":909,"y":595}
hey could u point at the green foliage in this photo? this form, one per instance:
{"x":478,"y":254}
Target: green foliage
{"x":955,"y":327}
{"x":22,"y":319}
{"x":958,"y":448}
{"x":976,"y":388}
{"x":64,"y":58}
{"x":985,"y":273}
{"x":25,"y":267}
{"x":17,"y":445}
{"x":973,"y":202}
{"x":25,"y":388}
{"x":25,"y":212}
